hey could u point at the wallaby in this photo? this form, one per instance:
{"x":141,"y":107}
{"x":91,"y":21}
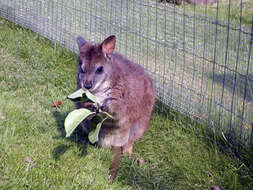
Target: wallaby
{"x":123,"y":89}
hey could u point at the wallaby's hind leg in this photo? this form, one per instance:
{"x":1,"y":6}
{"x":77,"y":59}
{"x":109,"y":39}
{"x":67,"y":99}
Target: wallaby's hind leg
{"x":136,"y":132}
{"x":117,"y":151}
{"x":128,"y":148}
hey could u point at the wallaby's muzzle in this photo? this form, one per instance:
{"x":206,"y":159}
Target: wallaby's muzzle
{"x":88,"y":85}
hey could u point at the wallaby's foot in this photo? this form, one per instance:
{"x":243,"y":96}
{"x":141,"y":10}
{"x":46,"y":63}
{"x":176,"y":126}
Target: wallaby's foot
{"x":140,"y":161}
{"x":112,"y":176}
{"x":115,"y":163}
{"x":215,"y":188}
{"x":128,"y":149}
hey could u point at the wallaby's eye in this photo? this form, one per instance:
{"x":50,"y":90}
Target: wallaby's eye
{"x":100,"y":69}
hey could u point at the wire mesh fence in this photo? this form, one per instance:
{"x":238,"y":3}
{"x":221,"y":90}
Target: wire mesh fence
{"x":200,"y":56}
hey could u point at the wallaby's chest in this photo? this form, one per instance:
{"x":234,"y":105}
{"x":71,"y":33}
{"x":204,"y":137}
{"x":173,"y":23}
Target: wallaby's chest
{"x":103,"y":92}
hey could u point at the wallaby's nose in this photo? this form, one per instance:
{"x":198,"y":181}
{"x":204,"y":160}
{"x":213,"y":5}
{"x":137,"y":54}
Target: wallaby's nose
{"x":88,"y":85}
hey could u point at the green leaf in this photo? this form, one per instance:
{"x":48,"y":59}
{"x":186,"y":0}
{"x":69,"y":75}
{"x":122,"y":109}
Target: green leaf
{"x":91,"y":97}
{"x":107,"y":114}
{"x":77,"y":94}
{"x":85,"y":94}
{"x":93,"y":135}
{"x":74,"y":118}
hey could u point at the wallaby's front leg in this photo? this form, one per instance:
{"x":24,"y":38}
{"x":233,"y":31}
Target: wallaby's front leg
{"x":116,"y":150}
{"x":110,"y":105}
{"x":114,"y":101}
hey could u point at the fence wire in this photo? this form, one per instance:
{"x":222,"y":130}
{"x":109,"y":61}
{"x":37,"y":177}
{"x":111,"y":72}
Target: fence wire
{"x":200,"y":60}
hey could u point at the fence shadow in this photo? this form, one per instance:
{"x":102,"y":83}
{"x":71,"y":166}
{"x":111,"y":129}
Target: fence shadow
{"x":242,"y":87}
{"x":147,"y":176}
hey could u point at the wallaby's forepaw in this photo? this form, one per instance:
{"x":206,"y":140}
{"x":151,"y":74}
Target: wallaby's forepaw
{"x":93,"y":109}
{"x":104,"y":108}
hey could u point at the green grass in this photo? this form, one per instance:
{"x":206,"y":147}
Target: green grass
{"x":176,"y":44}
{"x":224,"y":9}
{"x":34,"y":73}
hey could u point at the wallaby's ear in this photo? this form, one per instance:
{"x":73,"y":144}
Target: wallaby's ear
{"x":108,"y":44}
{"x":80,"y":41}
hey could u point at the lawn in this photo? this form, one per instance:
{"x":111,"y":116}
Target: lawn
{"x":224,"y":7}
{"x":34,"y":153}
{"x":201,"y":63}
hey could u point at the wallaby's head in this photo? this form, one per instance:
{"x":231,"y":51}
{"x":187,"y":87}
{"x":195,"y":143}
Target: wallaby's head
{"x":94,"y":63}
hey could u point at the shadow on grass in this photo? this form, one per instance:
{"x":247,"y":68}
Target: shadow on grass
{"x":144,"y":177}
{"x":148,"y":177}
{"x":231,"y":145}
{"x":77,"y":136}
{"x":243,"y":86}
{"x":59,"y":151}
{"x":60,"y":117}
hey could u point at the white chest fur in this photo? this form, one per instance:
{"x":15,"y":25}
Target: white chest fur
{"x":102,"y":93}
